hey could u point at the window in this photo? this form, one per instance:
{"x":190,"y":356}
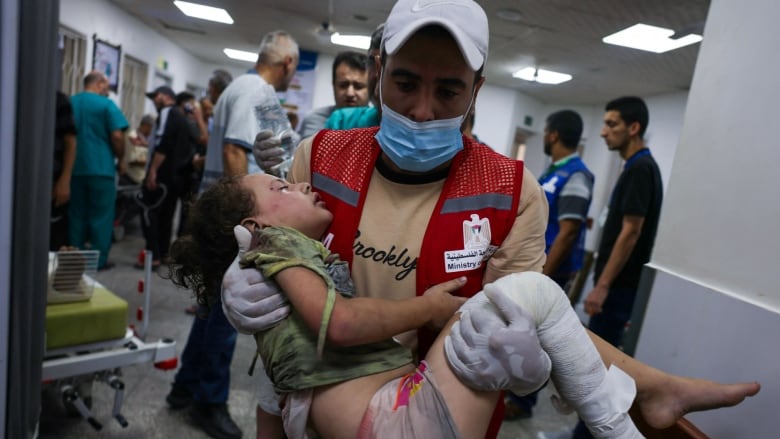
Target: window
{"x":72,"y":49}
{"x":133,"y":100}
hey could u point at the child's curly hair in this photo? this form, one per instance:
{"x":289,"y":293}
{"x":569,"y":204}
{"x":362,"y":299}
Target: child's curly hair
{"x":200,"y":257}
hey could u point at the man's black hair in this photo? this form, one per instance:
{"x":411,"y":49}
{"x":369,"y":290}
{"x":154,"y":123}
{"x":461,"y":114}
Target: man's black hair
{"x":353,"y":60}
{"x":632,"y":109}
{"x":568,"y":125}
{"x":184,"y":97}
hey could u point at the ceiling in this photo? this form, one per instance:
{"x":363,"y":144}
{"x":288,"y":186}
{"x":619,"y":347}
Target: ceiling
{"x":558,"y":35}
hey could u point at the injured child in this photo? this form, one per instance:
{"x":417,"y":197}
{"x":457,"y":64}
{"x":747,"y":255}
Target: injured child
{"x":334,"y":360}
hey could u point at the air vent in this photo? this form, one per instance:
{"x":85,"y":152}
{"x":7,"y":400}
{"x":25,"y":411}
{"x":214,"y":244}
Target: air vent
{"x":182,"y":29}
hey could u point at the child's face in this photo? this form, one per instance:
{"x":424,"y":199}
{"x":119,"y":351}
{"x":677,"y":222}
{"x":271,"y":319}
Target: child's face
{"x":280,"y":203}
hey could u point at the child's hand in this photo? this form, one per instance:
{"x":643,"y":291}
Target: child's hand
{"x":443,"y":304}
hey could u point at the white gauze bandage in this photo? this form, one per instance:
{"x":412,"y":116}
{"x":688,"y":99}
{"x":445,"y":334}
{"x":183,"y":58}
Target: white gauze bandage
{"x":601,"y":399}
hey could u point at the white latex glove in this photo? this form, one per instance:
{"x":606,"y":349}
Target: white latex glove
{"x":268,"y":149}
{"x":250,"y":302}
{"x":494,"y":346}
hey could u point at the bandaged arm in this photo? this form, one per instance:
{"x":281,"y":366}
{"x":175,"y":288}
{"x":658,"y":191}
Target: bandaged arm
{"x":601,"y":398}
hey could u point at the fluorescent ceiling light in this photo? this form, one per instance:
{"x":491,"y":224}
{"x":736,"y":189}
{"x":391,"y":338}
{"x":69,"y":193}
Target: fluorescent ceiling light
{"x":650,"y":38}
{"x":204,"y":12}
{"x":356,"y":41}
{"x":241,"y":55}
{"x":542,"y":76}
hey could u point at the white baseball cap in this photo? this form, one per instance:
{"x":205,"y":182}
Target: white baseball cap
{"x":464,"y":19}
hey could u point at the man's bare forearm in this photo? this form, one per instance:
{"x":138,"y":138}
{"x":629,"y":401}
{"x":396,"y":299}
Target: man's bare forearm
{"x":562,"y":246}
{"x":118,"y":144}
{"x":621,"y":251}
{"x":234,"y":160}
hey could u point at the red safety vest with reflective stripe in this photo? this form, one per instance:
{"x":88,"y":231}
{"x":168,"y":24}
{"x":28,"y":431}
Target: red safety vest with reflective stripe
{"x":472,"y":217}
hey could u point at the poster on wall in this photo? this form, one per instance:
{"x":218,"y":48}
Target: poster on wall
{"x":298,"y":97}
{"x":105,"y":58}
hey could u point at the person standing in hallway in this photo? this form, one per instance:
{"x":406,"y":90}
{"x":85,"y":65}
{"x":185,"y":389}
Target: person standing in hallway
{"x":62,"y":169}
{"x":368,"y":115}
{"x":137,"y":151}
{"x":631,"y":222}
{"x":203,"y":381}
{"x":100,"y":126}
{"x":168,"y":175}
{"x":568,"y":185}
{"x":218,"y":82}
{"x":350,"y":89}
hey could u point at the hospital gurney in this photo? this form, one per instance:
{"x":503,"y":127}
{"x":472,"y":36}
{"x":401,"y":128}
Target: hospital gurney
{"x":90,"y":340}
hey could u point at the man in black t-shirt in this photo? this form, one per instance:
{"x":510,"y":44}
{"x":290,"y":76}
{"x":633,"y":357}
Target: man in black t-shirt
{"x":170,"y":168}
{"x":630,"y":227}
{"x":631,"y":223}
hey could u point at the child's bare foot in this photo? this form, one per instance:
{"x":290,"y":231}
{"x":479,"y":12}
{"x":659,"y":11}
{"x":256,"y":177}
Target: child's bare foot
{"x":664,"y":404}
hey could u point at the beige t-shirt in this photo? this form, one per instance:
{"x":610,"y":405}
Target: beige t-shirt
{"x":393,"y":223}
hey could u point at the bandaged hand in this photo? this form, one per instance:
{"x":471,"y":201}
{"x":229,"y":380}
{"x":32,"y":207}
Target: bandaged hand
{"x":250,"y":302}
{"x":494,"y":346}
{"x":268,"y":149}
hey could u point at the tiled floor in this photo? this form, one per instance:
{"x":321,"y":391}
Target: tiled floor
{"x":146,"y":387}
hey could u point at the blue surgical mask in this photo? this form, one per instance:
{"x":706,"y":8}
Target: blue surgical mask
{"x":419,"y":146}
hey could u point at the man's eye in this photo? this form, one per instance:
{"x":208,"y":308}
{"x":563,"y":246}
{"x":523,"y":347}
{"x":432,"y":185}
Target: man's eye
{"x":448,"y":94}
{"x":405,"y":86}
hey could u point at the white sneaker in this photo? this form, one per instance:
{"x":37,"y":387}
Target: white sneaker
{"x":566,"y":434}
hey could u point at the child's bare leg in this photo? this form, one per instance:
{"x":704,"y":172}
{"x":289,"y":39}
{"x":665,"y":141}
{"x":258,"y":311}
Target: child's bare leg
{"x":470,"y":409}
{"x":664,"y":398}
{"x":268,"y":426}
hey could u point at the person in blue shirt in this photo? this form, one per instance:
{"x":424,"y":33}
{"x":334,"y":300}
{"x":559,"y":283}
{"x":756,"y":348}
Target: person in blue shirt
{"x":100,"y":126}
{"x":568,"y":185}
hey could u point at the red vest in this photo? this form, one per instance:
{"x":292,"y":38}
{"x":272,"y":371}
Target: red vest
{"x":482,"y":187}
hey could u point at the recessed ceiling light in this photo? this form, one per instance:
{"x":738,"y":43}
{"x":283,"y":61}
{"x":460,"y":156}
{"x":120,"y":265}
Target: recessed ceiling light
{"x":542,"y":76}
{"x":356,"y":41}
{"x":509,"y":14}
{"x":241,"y":55}
{"x":650,"y":38}
{"x":204,"y":12}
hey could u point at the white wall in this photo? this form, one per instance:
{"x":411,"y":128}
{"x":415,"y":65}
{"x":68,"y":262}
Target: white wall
{"x":494,"y":117}
{"x":717,"y":245}
{"x":323,"y":89}
{"x":718,"y":223}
